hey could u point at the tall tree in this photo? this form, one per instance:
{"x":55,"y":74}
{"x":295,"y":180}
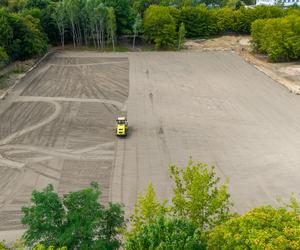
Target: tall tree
{"x":199,"y":196}
{"x":111,"y":26}
{"x":181,"y":35}
{"x":77,"y":220}
{"x":5,"y":29}
{"x":59,"y":16}
{"x":260,"y":228}
{"x":137,"y":27}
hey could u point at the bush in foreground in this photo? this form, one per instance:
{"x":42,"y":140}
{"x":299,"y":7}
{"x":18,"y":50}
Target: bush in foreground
{"x":261,"y":228}
{"x":165,"y":233}
{"x":77,"y":221}
{"x":199,"y":203}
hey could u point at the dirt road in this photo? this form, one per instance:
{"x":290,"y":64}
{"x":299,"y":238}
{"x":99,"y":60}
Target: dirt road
{"x":57,"y":127}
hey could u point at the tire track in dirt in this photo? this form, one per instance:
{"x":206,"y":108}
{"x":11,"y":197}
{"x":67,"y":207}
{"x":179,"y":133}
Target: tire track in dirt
{"x":117,"y":104}
{"x":87,"y":64}
{"x":53,"y":116}
{"x":76,"y":157}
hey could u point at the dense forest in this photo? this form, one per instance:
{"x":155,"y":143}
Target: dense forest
{"x":28,"y":26}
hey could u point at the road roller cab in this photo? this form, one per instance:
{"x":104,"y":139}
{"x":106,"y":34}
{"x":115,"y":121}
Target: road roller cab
{"x":121,"y":126}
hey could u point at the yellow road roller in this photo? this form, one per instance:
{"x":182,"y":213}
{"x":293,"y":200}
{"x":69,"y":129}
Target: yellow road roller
{"x":121,"y":126}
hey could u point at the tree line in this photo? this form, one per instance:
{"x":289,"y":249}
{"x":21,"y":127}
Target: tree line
{"x":161,"y":23}
{"x":28,"y":26}
{"x":198,"y":216}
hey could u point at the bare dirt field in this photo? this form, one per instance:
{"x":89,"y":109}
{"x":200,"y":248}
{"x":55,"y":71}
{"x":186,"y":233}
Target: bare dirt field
{"x":57,"y":127}
{"x":287,"y":74}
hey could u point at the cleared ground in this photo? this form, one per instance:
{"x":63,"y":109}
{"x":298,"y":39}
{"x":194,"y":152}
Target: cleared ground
{"x":58,"y":127}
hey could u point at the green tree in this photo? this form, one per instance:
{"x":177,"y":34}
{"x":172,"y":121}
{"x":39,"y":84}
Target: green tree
{"x":137,"y":27}
{"x":3,"y":56}
{"x":160,"y":27}
{"x":140,"y":6}
{"x":28,"y":39}
{"x":3,"y":246}
{"x":146,"y":210}
{"x":124,"y":15}
{"x":59,"y":16}
{"x":181,"y":36}
{"x":55,"y":221}
{"x":199,"y":203}
{"x":199,"y":21}
{"x":199,"y":196}
{"x":279,"y":38}
{"x":224,"y":17}
{"x":5,"y":29}
{"x":167,"y":234}
{"x":111,"y":26}
{"x":16,"y":5}
{"x":42,"y":247}
{"x":260,"y":228}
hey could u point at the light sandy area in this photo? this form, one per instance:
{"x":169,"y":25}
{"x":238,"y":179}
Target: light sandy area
{"x":57,"y":127}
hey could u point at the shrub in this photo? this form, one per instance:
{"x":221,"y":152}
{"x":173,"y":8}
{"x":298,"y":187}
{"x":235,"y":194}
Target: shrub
{"x":199,"y":196}
{"x":3,"y":56}
{"x":278,"y":38}
{"x":224,"y":18}
{"x":164,"y":233}
{"x":199,"y":203}
{"x":160,"y":27}
{"x":261,"y":228}
{"x":199,"y":21}
{"x":28,"y":40}
{"x":77,"y":221}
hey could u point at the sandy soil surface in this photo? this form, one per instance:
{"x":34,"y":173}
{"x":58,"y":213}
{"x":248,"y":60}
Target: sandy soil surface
{"x":57,"y":127}
{"x":218,"y":109}
{"x":287,"y":74}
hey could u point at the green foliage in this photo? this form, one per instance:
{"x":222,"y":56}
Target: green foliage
{"x":199,"y":203}
{"x":5,"y":29}
{"x":44,"y":218}
{"x":55,"y":221}
{"x":242,"y":20}
{"x":3,"y":56}
{"x":199,"y":196}
{"x":28,"y":39}
{"x":137,"y":28}
{"x":164,"y":233}
{"x":124,"y":15}
{"x":3,"y":246}
{"x":3,"y":81}
{"x":199,"y":21}
{"x":181,"y":35}
{"x":261,"y":228}
{"x":224,"y":19}
{"x":146,"y":210}
{"x":42,"y":247}
{"x":111,"y":26}
{"x":278,"y":38}
{"x":160,"y":27}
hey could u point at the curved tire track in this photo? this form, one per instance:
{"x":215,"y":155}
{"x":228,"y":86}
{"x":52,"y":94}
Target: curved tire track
{"x":53,"y":116}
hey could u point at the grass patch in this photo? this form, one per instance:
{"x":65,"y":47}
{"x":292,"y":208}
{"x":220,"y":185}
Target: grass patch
{"x":106,"y":49}
{"x":3,"y":81}
{"x":18,"y":70}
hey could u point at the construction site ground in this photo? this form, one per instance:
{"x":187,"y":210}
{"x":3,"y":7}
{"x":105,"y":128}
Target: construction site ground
{"x":287,"y":74}
{"x":57,"y":126}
